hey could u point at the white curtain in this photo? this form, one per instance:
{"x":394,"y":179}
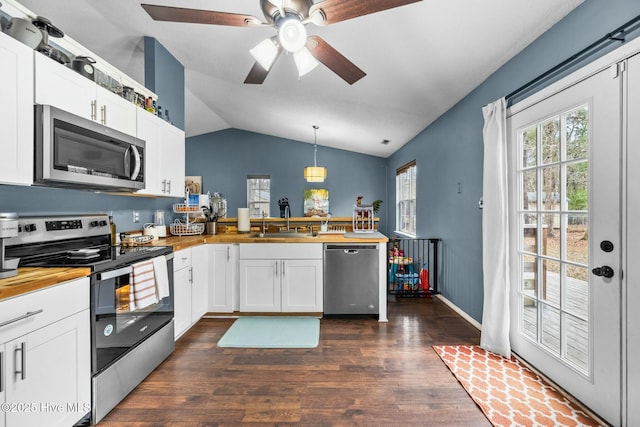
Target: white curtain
{"x":495,"y":231}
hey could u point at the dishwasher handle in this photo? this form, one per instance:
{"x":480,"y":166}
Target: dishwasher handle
{"x":350,"y":249}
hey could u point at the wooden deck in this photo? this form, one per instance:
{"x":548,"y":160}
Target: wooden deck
{"x":577,"y":332}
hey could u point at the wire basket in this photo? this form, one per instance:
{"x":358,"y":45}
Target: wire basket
{"x":185,"y":208}
{"x":192,"y":229}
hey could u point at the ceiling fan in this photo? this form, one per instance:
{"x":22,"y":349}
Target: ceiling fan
{"x":289,"y":18}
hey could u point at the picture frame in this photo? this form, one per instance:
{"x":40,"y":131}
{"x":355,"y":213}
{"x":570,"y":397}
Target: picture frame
{"x":316,"y":202}
{"x":193,"y":184}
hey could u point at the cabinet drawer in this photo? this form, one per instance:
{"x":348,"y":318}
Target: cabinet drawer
{"x":56,"y":302}
{"x":182,"y":259}
{"x":281,"y":251}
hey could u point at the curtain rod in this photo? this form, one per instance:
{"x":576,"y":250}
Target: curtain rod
{"x":617,"y":35}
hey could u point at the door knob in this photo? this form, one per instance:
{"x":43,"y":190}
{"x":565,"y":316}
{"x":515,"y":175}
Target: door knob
{"x":604,"y":271}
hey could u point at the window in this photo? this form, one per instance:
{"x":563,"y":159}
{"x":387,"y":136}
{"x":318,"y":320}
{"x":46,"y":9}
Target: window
{"x":406,"y":199}
{"x":258,"y":195}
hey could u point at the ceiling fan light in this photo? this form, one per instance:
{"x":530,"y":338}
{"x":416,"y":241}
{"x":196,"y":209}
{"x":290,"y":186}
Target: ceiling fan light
{"x":305,"y":62}
{"x":292,"y":34}
{"x":265,"y":53}
{"x":315,"y":173}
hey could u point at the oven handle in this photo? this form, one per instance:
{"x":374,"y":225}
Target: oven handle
{"x":115,"y":273}
{"x":124,"y":270}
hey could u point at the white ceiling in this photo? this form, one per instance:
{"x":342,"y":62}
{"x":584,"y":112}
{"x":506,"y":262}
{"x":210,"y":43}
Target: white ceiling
{"x":420,"y":60}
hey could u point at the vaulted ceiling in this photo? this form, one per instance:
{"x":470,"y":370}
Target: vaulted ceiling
{"x":419,"y":59}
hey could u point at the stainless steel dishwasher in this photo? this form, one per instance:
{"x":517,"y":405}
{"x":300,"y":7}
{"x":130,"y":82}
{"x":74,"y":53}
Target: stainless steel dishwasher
{"x":351,"y":275}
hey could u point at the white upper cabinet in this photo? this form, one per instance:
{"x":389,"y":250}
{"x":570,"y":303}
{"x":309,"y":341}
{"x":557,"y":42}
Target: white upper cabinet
{"x":62,"y":87}
{"x":16,"y":112}
{"x":164,"y":163}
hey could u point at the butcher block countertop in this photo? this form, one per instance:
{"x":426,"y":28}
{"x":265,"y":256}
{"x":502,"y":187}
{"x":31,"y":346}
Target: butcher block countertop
{"x":34,"y":278}
{"x":31,"y":279}
{"x":179,"y":243}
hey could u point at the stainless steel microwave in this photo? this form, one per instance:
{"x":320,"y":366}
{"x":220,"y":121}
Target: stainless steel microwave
{"x":71,"y":151}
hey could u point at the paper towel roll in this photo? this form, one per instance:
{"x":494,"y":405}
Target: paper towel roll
{"x":244,"y":225}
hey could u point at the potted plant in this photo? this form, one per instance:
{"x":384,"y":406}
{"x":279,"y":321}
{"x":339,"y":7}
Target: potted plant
{"x":376,"y":206}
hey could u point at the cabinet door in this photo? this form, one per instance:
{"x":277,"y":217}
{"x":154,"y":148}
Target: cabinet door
{"x":182,"y":300}
{"x":62,"y":87}
{"x":220,"y":274}
{"x":4,"y":373}
{"x":54,"y":374}
{"x":172,"y":158}
{"x":302,"y":285}
{"x":115,"y":111}
{"x":164,"y":149}
{"x":16,"y":111}
{"x":200,"y":285}
{"x":260,"y":285}
{"x":149,"y":131}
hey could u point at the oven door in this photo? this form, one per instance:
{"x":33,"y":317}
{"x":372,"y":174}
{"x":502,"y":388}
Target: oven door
{"x":117,"y":327}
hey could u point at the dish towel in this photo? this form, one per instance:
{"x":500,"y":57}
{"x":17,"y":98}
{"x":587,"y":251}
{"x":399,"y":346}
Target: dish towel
{"x":161,"y":276}
{"x":143,"y":285}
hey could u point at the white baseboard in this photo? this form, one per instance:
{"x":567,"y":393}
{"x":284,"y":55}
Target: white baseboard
{"x":458,"y":310}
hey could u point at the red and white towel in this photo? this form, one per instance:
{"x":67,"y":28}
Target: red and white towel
{"x":143,"y":285}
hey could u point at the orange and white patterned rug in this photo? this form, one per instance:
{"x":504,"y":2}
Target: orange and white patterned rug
{"x":508,"y":392}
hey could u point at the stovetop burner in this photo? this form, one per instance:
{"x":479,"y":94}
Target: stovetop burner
{"x":74,"y":241}
{"x":105,"y":258}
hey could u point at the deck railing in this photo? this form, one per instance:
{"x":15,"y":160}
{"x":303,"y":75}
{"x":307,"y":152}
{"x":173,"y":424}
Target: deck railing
{"x":412,"y":267}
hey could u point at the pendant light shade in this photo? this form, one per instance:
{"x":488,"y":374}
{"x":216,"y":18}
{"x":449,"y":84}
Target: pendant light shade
{"x":315,"y":173}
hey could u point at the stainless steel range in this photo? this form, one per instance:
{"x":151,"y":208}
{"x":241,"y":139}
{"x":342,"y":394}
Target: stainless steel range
{"x":129,"y":337}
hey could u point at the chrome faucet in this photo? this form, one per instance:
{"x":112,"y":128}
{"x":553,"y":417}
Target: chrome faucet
{"x":264,"y":224}
{"x":287,"y":215}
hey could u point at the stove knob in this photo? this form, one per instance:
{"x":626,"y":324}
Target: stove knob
{"x":103,"y":223}
{"x":30,"y":227}
{"x":94,"y":223}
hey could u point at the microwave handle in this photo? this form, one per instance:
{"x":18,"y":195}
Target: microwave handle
{"x":127,"y":161}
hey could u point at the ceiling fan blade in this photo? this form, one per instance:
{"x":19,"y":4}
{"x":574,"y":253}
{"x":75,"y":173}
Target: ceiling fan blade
{"x":197,"y":16}
{"x":334,"y":60}
{"x":257,"y":75}
{"x":341,"y":10}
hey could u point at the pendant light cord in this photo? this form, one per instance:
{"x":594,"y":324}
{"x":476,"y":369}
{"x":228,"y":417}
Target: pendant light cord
{"x":315,"y":144}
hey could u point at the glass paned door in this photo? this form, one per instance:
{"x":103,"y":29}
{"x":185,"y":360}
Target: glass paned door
{"x":553,"y":249}
{"x":565,"y":167}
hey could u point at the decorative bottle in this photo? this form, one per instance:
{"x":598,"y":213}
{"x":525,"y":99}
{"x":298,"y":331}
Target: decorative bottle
{"x":113,"y":231}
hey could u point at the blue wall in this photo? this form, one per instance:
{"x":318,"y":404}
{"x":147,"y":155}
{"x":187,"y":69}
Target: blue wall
{"x":52,"y":201}
{"x":164,"y":75}
{"x":225,"y":158}
{"x":451,"y":151}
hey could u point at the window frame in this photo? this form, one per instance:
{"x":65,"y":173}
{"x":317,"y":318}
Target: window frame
{"x":409,"y":170}
{"x":251,"y":204}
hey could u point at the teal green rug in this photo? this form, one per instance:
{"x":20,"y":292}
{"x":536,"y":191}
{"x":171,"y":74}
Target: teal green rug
{"x":272,"y":332}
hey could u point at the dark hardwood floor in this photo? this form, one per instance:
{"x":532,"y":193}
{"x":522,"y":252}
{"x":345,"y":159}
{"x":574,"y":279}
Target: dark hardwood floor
{"x":362,"y":373}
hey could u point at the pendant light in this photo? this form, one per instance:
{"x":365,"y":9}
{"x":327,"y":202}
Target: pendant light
{"x":315,"y":173}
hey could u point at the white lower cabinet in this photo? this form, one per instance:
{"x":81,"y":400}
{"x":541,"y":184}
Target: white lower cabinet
{"x":45,"y":360}
{"x":190,"y":283}
{"x":281,"y":277}
{"x":222,"y":276}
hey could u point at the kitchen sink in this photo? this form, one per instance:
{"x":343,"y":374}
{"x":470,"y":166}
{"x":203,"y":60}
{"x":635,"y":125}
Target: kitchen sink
{"x":283,"y":235}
